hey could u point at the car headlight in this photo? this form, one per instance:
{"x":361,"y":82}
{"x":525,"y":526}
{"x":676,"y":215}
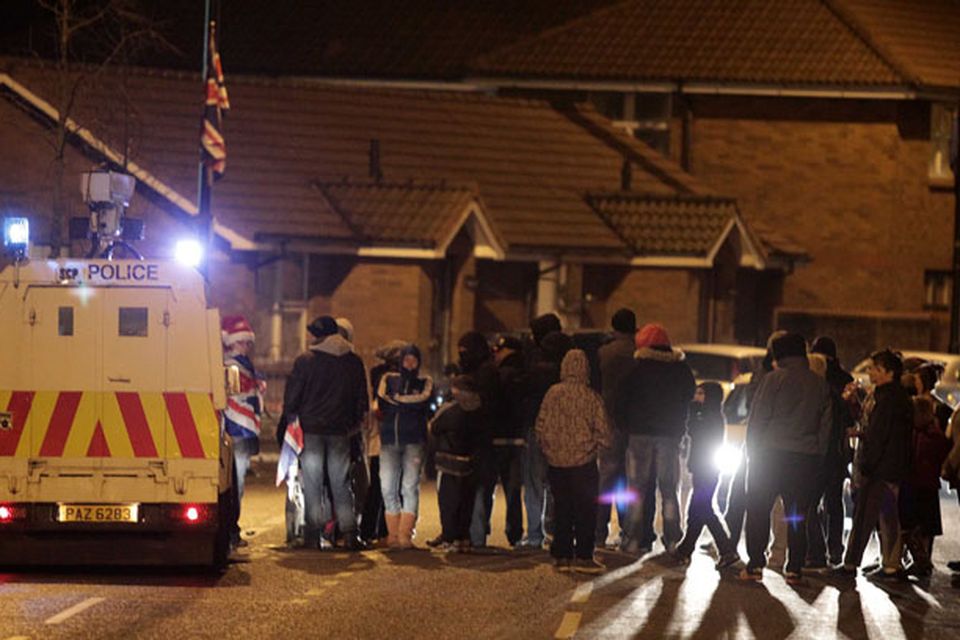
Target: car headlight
{"x":727,"y":459}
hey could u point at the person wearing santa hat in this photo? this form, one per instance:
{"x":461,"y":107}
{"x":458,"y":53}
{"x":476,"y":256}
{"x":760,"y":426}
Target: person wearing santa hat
{"x":652,"y":406}
{"x":241,"y":417}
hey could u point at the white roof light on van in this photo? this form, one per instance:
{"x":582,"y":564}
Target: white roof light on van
{"x":189,"y":252}
{"x":16,"y":234}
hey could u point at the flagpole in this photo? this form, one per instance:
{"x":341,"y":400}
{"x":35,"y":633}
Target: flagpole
{"x":204,"y":222}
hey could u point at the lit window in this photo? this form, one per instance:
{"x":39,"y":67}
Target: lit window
{"x":942,"y":119}
{"x":65,"y":321}
{"x":133,"y":322}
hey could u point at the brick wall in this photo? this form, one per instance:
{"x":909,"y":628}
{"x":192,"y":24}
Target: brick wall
{"x":847,"y":178}
{"x":668,"y":296}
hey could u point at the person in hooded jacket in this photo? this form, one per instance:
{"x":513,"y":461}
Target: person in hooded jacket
{"x":404,"y":401}
{"x":456,"y":429}
{"x":572,"y":428}
{"x":327,"y":391}
{"x":476,"y":361}
{"x":705,"y":426}
{"x":373,"y":524}
{"x":652,"y":406}
{"x":543,"y":373}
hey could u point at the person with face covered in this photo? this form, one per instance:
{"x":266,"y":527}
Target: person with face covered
{"x":572,"y":428}
{"x":476,"y":362}
{"x":404,"y":400}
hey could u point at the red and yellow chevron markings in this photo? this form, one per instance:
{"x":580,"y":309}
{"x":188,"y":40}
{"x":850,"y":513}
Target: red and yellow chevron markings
{"x":118,"y":424}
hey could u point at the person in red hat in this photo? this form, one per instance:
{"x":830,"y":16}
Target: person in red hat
{"x":652,"y":407}
{"x":241,"y":417}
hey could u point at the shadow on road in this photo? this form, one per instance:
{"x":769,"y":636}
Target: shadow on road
{"x":200,"y":577}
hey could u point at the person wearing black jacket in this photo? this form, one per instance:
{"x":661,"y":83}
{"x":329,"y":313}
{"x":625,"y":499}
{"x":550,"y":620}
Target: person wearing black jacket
{"x":476,"y":361}
{"x":456,"y":430}
{"x":828,"y":540}
{"x":327,"y":391}
{"x":883,"y":462}
{"x":652,"y":406}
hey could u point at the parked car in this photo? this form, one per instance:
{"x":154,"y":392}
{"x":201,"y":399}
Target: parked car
{"x":732,"y":366}
{"x":947,"y":390}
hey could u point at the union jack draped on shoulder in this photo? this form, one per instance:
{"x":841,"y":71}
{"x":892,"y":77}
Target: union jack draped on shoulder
{"x":290,"y":452}
{"x":242,"y":415}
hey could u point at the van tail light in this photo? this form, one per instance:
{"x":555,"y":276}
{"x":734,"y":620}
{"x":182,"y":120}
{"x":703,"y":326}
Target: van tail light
{"x":193,"y":514}
{"x":11,"y":513}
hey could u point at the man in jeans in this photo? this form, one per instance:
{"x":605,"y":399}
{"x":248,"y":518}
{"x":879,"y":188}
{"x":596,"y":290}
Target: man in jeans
{"x":327,"y":391}
{"x":882,"y":461}
{"x":652,"y":405}
{"x":787,"y":437}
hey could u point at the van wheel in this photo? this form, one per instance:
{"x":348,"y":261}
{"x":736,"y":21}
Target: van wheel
{"x":221,"y":541}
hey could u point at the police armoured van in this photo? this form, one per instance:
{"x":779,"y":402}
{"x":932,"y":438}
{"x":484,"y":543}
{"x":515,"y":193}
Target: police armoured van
{"x":111,"y":452}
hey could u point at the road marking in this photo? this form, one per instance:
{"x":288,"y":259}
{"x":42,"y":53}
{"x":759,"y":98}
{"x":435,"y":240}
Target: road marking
{"x":315,"y":591}
{"x":569,"y":625}
{"x":18,"y":638}
{"x":74,"y":610}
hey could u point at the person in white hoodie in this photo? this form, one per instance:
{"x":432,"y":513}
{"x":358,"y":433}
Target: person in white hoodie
{"x":572,"y":427}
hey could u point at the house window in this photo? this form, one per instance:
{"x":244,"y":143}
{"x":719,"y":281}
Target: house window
{"x":943,"y":119}
{"x":938,"y":288}
{"x":646,"y":116}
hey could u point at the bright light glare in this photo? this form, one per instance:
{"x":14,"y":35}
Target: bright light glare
{"x":5,"y":514}
{"x":192,"y":514}
{"x":727,"y":459}
{"x":188,"y":252}
{"x":16,"y":231}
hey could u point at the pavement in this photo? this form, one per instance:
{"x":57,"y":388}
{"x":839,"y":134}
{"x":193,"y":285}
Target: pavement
{"x":272,"y":592}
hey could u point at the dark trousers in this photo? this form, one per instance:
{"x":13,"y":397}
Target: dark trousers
{"x":876,"y":505}
{"x":373,"y":525}
{"x":702,"y":513}
{"x":792,"y":476}
{"x":825,"y":518}
{"x":507,"y":470}
{"x":612,"y":464}
{"x":736,"y":508}
{"x":455,"y":496}
{"x":575,"y":510}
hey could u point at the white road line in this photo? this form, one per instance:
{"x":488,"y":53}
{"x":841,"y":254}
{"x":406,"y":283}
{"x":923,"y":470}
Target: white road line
{"x":74,"y":610}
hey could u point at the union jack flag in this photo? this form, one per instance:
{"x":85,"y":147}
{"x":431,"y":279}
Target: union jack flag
{"x":287,"y":465}
{"x":242,"y":413}
{"x":213,"y":146}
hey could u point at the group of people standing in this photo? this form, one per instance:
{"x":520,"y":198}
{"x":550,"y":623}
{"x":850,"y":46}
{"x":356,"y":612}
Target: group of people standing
{"x":568,"y":444}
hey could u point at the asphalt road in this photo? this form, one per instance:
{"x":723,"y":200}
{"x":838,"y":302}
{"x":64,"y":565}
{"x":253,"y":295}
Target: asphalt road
{"x":272,"y":592}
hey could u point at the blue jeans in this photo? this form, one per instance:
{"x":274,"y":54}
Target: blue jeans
{"x":326,"y":456}
{"x":400,"y":477}
{"x":654,"y":461}
{"x":535,"y":490}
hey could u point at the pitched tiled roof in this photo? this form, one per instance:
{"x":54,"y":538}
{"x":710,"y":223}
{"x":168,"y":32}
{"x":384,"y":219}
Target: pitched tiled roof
{"x":792,"y":42}
{"x":921,"y":37}
{"x":531,"y":164}
{"x":675,"y":226}
{"x":418,"y":214}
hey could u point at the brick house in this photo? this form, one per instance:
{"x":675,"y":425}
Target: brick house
{"x":417,"y":214}
{"x":828,"y":120}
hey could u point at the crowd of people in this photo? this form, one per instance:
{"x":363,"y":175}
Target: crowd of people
{"x":571,"y":436}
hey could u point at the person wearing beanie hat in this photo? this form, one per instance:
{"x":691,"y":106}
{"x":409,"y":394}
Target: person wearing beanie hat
{"x":825,"y":346}
{"x":615,"y":360}
{"x":788,"y":435}
{"x":241,"y":416}
{"x":327,"y":392}
{"x":654,"y":398}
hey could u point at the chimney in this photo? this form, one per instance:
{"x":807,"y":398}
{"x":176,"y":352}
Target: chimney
{"x":626,"y":175}
{"x":376,"y":173}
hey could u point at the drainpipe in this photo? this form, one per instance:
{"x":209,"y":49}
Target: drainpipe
{"x":276,"y":314}
{"x":686,"y":142}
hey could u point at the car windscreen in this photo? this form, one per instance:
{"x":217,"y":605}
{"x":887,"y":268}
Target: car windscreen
{"x":709,"y":366}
